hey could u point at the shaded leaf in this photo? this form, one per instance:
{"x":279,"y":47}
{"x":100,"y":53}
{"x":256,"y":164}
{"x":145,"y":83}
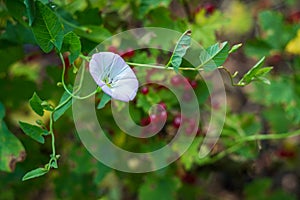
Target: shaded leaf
{"x":34,"y":132}
{"x":36,"y":104}
{"x":30,"y":10}
{"x":11,"y":149}
{"x":72,"y":44}
{"x":18,"y":34}
{"x":35,"y":173}
{"x":214,"y":56}
{"x":104,"y":100}
{"x":180,"y":49}
{"x":47,"y":28}
{"x":93,"y":33}
{"x":159,"y":188}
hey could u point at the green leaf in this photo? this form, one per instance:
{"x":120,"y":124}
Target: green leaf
{"x":34,"y":132}
{"x":47,"y":28}
{"x":148,"y":5}
{"x":93,"y":33}
{"x":214,"y":56}
{"x":180,"y":49}
{"x":36,"y":104}
{"x":17,"y":9}
{"x":60,"y":111}
{"x":104,"y":100}
{"x":256,"y":73}
{"x":18,"y":34}
{"x":35,"y":173}
{"x":159,"y":188}
{"x":234,"y":48}
{"x":30,"y":10}
{"x":72,"y":44}
{"x":11,"y":149}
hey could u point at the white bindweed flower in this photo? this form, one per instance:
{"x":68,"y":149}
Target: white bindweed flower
{"x":114,"y":76}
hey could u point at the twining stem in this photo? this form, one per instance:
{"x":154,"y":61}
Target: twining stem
{"x":64,"y":85}
{"x":230,"y":76}
{"x":240,"y":142}
{"x":162,"y":67}
{"x":53,"y":156}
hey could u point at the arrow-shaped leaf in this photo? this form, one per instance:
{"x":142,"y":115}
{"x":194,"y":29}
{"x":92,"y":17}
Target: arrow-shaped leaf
{"x":34,"y":132}
{"x":71,"y":43}
{"x":214,"y":56}
{"x":180,"y":49}
{"x":47,"y":28}
{"x":256,"y":73}
{"x":35,"y":173}
{"x":104,"y":100}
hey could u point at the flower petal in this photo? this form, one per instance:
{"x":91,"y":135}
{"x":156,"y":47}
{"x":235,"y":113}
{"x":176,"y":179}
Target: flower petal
{"x":107,"y":65}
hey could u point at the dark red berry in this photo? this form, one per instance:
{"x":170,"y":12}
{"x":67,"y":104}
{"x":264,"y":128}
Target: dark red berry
{"x":189,"y":178}
{"x":193,"y":83}
{"x":286,"y":153}
{"x":144,"y":90}
{"x":129,"y":53}
{"x":294,"y":17}
{"x":145,"y":121}
{"x":177,"y":121}
{"x":209,"y":8}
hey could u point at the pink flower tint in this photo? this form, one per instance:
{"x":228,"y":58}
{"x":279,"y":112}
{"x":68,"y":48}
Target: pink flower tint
{"x":114,"y":76}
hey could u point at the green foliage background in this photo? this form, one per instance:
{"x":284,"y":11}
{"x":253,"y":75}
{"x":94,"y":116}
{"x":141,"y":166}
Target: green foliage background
{"x":240,"y":167}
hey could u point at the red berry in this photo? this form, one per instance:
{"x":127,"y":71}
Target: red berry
{"x":144,"y":90}
{"x":189,"y":178}
{"x":193,"y":83}
{"x":129,"y":53}
{"x":294,"y":17}
{"x":176,"y":80}
{"x":145,"y":121}
{"x":154,"y":118}
{"x":209,"y":8}
{"x":112,"y":49}
{"x":163,"y":105}
{"x":163,"y":115}
{"x":187,"y":96}
{"x":177,"y":121}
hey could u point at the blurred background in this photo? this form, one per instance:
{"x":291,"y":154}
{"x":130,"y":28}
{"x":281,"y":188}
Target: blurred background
{"x":253,"y":170}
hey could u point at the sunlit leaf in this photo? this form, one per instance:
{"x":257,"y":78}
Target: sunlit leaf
{"x":234,"y":48}
{"x":180,"y":49}
{"x":256,"y":73}
{"x":214,"y":56}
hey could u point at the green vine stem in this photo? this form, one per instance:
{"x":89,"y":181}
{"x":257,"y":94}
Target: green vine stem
{"x":64,"y":85}
{"x":240,"y":142}
{"x":51,"y":131}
